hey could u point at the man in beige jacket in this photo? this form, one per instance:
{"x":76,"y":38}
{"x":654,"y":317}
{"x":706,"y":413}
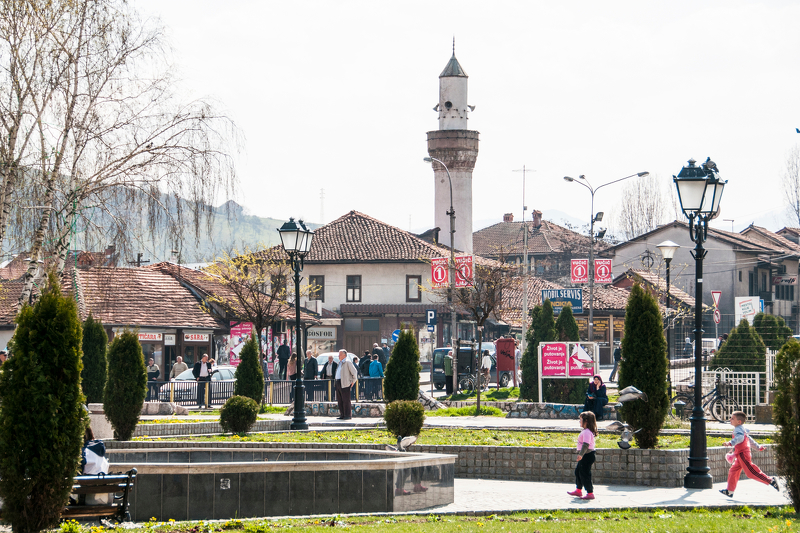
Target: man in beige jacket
{"x":346,"y":376}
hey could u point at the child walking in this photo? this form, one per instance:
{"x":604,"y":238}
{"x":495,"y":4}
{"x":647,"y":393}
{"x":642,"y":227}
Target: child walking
{"x":741,"y":440}
{"x":586,"y":457}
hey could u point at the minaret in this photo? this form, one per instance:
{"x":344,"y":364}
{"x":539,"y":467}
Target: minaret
{"x":457,"y":147}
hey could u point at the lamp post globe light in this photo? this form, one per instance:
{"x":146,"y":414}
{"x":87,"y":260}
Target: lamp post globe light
{"x":296,"y":240}
{"x":595,"y":218}
{"x":668,"y":249}
{"x":699,"y":191}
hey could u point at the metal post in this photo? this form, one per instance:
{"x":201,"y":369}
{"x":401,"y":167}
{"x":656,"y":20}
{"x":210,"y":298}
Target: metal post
{"x":591,"y":273}
{"x":299,"y":418}
{"x":669,"y":337}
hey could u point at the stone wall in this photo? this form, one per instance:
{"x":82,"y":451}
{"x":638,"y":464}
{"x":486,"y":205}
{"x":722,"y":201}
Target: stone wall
{"x":360,"y":410}
{"x":203,"y":428}
{"x":538,"y":410}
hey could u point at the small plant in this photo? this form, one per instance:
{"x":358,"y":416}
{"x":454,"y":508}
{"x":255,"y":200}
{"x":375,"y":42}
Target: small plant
{"x":404,"y":418}
{"x":238,"y":415}
{"x":70,"y":526}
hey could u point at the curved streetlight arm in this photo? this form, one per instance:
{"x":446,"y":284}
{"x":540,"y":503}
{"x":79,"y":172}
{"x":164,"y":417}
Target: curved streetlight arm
{"x":639,"y":174}
{"x":449,"y":180}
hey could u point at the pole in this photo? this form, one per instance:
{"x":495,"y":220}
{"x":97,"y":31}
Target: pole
{"x":591,"y":272}
{"x":669,"y":337}
{"x":299,"y":418}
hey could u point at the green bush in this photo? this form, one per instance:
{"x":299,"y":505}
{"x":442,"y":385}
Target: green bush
{"x":786,"y":414}
{"x":569,"y":391}
{"x":566,"y":326}
{"x":126,"y":387}
{"x":238,"y":415}
{"x":404,"y":418}
{"x":401,"y":377}
{"x":249,"y":375}
{"x":772,"y":330}
{"x":95,"y":364}
{"x":542,"y":329}
{"x":645,"y":366}
{"x":744,"y":351}
{"x":41,"y":421}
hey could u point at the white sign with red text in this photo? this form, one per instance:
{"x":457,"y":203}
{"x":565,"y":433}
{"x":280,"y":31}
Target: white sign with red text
{"x":150,"y":337}
{"x":195,"y":337}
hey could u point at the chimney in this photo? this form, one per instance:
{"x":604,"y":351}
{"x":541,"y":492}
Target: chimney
{"x":508,"y":217}
{"x":537,"y":218}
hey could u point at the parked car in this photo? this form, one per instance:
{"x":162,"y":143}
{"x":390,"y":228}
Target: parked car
{"x":465,"y":361}
{"x":322,"y":360}
{"x":185,"y":385}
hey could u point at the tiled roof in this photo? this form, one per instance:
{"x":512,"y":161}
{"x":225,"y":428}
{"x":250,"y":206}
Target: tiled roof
{"x":506,"y":238}
{"x":400,"y":309}
{"x":655,"y":281}
{"x":512,"y":299}
{"x":767,"y":237}
{"x":9,"y":298}
{"x":609,"y":298}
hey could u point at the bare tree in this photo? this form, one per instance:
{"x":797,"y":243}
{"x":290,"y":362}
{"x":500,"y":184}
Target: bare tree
{"x":791,"y":185}
{"x":643,"y":206}
{"x":90,"y":125}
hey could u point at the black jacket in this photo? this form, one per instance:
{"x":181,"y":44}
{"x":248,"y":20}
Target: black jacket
{"x":284,"y":353}
{"x":332,"y":375}
{"x":310,"y":370}
{"x":196,"y":369}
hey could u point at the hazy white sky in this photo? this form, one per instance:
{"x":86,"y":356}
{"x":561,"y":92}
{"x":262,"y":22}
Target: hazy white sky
{"x":338,"y":95}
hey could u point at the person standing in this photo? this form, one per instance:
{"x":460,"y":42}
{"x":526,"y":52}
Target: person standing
{"x":152,"y":376}
{"x":346,"y":375}
{"x":375,"y":367}
{"x":386,"y":354}
{"x":329,"y":368}
{"x":617,"y":359}
{"x":310,"y":369}
{"x":178,"y":368}
{"x":283,"y":359}
{"x":376,"y":350}
{"x":486,"y":367}
{"x":291,"y":367}
{"x":448,"y":373}
{"x":687,"y":347}
{"x":202,"y":374}
{"x":364,"y":364}
{"x":740,"y":440}
{"x":586,"y":457}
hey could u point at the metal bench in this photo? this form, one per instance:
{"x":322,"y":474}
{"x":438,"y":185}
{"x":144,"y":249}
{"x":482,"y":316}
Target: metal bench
{"x":119,"y":485}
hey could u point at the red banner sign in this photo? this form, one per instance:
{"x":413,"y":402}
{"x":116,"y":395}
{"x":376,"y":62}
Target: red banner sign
{"x":554,"y":359}
{"x":439,"y":273}
{"x":579,"y":270}
{"x":602,"y":270}
{"x":464,"y":271}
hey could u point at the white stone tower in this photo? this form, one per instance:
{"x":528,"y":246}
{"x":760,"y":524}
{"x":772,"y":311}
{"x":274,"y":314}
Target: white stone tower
{"x":457,"y":147}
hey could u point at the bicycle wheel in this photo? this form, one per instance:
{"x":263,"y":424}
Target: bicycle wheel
{"x":466,"y":385}
{"x":723,"y":407}
{"x":687,"y":399}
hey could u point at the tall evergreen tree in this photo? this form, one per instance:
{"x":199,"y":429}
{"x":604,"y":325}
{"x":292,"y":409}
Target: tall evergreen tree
{"x":645,"y":366}
{"x":41,"y":420}
{"x":772,"y":330}
{"x":401,"y":379}
{"x":786,"y":411}
{"x":126,"y":387}
{"x":566,"y":326}
{"x":95,"y":364}
{"x":542,"y":329}
{"x":249,"y":375}
{"x":744,"y":351}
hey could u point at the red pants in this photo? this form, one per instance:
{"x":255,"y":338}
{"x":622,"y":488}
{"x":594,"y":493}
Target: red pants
{"x":744,"y":462}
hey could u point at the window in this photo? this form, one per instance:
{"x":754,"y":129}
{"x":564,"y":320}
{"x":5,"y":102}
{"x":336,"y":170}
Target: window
{"x":353,"y":288}
{"x":740,"y":276}
{"x":371,"y":324}
{"x":763,"y":283}
{"x":352,"y":324}
{"x":317,"y":286}
{"x":751,"y":284}
{"x":413,"y":294}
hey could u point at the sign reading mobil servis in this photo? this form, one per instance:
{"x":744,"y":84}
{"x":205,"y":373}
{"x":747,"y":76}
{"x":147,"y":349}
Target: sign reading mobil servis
{"x":560,"y":298}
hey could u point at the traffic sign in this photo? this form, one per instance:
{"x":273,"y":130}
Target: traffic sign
{"x":430,"y":317}
{"x":431,"y":328}
{"x":716,"y":295}
{"x":717,"y":316}
{"x":395,"y":335}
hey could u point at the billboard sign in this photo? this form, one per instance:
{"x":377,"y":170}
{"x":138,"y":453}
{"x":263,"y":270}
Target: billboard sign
{"x":579,"y":270}
{"x":439,"y":273}
{"x":784,"y":280}
{"x":581,"y":363}
{"x":746,"y":307}
{"x":464,"y":270}
{"x":602,"y":270}
{"x":554,"y":359}
{"x":560,"y":298}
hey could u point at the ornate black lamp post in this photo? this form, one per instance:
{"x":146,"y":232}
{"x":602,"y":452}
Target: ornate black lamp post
{"x":296,"y":241}
{"x":699,"y":191}
{"x":668,"y":249}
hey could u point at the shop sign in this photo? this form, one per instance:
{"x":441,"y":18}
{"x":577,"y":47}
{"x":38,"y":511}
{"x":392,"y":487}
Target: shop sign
{"x":560,"y":298}
{"x":322,"y":334}
{"x":784,"y":280}
{"x":150,"y":337}
{"x":169,"y":340}
{"x":195,"y":337}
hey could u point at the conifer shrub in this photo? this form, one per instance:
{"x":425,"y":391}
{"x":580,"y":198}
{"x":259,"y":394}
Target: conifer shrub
{"x":772,"y":330}
{"x":41,"y":421}
{"x":744,"y":351}
{"x":786,"y":414}
{"x":570,"y":391}
{"x":566,"y":326}
{"x":249,"y":375}
{"x":404,"y":418}
{"x":238,"y":415}
{"x":542,"y":329}
{"x":126,"y":386}
{"x":95,"y":364}
{"x":401,"y":377}
{"x":645,"y":366}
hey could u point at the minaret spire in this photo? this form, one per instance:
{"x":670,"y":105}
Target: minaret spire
{"x":454,"y":45}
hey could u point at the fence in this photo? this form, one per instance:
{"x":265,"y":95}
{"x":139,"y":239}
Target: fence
{"x":185,"y":392}
{"x":747,"y":388}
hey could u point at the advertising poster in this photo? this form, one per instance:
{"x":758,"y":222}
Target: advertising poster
{"x":554,"y":359}
{"x":439,"y":273}
{"x":580,"y":362}
{"x":746,"y":307}
{"x":579,"y":270}
{"x":240,"y":332}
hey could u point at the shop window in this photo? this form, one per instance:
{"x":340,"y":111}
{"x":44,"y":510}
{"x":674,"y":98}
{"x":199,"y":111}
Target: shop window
{"x":353,"y":288}
{"x":371,"y":324}
{"x":352,"y":324}
{"x":413,"y":293}
{"x":317,"y":284}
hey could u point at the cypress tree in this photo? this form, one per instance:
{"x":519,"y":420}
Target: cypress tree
{"x":95,"y":365}
{"x":401,"y":378}
{"x":542,"y":329}
{"x":772,"y":330}
{"x":786,"y":414}
{"x":645,"y":366}
{"x":126,"y":387}
{"x":744,"y":351}
{"x":566,"y":326}
{"x":249,"y":375}
{"x":569,"y":391}
{"x":41,"y":421}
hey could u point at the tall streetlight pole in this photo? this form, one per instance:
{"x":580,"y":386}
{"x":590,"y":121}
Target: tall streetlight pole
{"x":595,"y":218}
{"x":296,"y":241}
{"x":668,"y":249}
{"x":452,"y":269}
{"x":699,"y":191}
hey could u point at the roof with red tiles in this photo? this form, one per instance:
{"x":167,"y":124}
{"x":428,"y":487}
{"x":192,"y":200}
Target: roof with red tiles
{"x":654,"y":281}
{"x":506,"y":238}
{"x":9,"y":298}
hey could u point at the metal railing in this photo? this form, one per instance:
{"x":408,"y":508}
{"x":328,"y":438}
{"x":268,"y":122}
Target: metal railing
{"x":185,"y":392}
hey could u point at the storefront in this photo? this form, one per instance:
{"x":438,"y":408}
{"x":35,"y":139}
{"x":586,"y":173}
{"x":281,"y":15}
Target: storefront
{"x":165,"y":345}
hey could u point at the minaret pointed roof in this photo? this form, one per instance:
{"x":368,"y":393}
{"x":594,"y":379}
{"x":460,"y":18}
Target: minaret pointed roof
{"x":453,"y":69}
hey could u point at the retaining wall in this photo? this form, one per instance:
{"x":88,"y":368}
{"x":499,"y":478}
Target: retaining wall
{"x":203,"y":428}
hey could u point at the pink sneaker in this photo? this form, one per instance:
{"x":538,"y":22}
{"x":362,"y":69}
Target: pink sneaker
{"x":576,"y":492}
{"x":589,"y":496}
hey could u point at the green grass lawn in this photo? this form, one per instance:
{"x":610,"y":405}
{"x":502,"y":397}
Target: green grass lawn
{"x":467,"y":411}
{"x":740,"y":519}
{"x":456,"y":436}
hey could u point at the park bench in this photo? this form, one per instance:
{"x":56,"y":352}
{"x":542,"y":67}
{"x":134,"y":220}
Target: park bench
{"x":119,"y":485}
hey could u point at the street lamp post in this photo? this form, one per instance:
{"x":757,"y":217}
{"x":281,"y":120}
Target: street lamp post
{"x":296,"y":241}
{"x":452,"y":270}
{"x":699,"y":191}
{"x":595,"y":218}
{"x":668,"y":249}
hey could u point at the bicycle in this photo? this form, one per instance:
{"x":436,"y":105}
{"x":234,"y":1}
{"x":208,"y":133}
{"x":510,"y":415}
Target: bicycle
{"x":716,"y":402}
{"x":467,"y":383}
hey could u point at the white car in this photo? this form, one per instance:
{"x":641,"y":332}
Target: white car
{"x":322,"y":360}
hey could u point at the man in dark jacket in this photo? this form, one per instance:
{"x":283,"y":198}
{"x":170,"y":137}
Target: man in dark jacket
{"x":329,"y":368}
{"x":283,"y":358}
{"x":202,"y":373}
{"x":310,"y":369}
{"x":386,"y":354}
{"x":363,"y":364}
{"x":376,"y":350}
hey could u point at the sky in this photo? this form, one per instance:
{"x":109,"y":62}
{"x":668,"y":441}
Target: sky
{"x":338,"y":96}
